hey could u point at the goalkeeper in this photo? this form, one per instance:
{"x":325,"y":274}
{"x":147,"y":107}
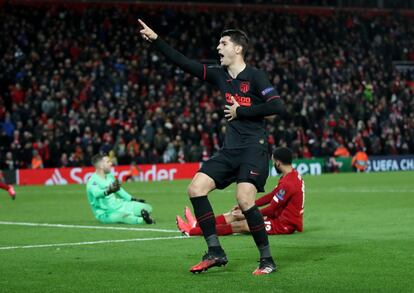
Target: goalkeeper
{"x":109,"y":202}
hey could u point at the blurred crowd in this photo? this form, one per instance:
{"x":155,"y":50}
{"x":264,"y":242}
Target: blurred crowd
{"x":77,"y":82}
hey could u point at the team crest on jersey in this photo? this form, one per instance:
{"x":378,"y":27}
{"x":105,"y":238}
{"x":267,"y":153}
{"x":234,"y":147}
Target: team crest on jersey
{"x":281,"y":194}
{"x":244,"y":87}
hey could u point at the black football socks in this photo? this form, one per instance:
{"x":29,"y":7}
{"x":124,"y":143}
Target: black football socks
{"x":207,"y":222}
{"x":257,"y":228}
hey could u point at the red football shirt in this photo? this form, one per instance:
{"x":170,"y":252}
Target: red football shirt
{"x":286,"y":201}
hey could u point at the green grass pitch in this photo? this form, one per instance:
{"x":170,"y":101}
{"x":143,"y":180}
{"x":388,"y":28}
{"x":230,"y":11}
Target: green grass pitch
{"x":358,"y":238}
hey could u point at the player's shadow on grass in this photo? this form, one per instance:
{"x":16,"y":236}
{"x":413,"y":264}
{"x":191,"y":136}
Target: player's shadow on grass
{"x":300,"y":254}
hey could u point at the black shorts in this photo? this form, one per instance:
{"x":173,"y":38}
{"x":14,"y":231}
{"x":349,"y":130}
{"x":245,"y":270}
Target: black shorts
{"x":238,"y":165}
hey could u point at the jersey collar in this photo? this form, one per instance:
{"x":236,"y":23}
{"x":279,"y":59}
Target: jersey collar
{"x":243,"y":75}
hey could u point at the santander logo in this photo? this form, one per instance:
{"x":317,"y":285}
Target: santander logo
{"x":153,"y":174}
{"x":81,"y":175}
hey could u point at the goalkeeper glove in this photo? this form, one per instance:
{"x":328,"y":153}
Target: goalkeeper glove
{"x":114,"y":187}
{"x":138,"y":199}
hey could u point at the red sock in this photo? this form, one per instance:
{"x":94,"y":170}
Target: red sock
{"x":221,"y":230}
{"x":196,"y":231}
{"x":224,"y":229}
{"x":4,"y":186}
{"x":220,"y":220}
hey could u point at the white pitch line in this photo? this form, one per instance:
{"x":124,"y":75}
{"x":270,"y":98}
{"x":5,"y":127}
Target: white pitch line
{"x":91,"y":242}
{"x":87,"y":227}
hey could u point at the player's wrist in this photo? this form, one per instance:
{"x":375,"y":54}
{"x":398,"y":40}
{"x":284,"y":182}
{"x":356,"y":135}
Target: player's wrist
{"x":239,"y":112}
{"x":154,"y":39}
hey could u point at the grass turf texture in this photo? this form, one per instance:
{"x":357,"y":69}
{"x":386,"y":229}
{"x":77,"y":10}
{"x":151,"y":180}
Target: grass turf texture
{"x":358,"y":237}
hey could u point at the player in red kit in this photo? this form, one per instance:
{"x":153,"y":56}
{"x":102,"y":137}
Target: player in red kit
{"x":282,"y":215}
{"x":6,"y":187}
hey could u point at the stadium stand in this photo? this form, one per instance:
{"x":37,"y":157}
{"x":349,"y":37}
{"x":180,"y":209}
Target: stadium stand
{"x":77,"y":81}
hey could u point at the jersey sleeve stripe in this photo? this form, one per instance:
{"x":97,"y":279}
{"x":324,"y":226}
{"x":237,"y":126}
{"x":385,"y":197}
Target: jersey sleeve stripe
{"x":272,"y":98}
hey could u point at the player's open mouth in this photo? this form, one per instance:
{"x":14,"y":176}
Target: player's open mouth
{"x":221,"y":56}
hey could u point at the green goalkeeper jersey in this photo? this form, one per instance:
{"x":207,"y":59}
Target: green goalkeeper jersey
{"x":100,"y":203}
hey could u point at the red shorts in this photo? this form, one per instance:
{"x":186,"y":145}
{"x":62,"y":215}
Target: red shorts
{"x":277,"y":227}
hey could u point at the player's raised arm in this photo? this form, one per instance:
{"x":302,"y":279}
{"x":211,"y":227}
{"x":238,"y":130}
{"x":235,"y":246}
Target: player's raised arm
{"x":193,"y":67}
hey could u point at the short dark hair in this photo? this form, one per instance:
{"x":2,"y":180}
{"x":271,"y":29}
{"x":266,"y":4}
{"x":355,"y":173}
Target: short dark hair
{"x":238,"y":37}
{"x":283,"y":154}
{"x":97,"y":158}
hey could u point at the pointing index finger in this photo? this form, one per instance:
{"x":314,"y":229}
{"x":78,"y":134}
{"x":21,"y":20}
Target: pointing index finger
{"x":142,"y":23}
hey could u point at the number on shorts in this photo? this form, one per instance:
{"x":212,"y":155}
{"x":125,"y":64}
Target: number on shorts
{"x":268,"y":225}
